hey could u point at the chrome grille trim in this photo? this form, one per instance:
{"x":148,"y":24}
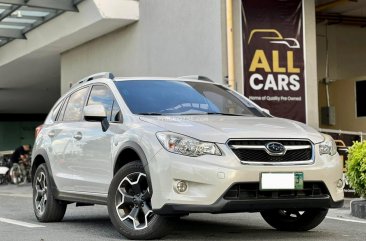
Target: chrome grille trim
{"x":262,"y":147}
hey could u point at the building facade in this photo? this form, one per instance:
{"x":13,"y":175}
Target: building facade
{"x":167,"y":38}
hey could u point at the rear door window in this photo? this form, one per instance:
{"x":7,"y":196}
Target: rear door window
{"x":74,"y":108}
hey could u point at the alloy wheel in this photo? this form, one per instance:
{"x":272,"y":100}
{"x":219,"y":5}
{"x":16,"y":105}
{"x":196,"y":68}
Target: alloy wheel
{"x":41,"y":193}
{"x":133,"y":201}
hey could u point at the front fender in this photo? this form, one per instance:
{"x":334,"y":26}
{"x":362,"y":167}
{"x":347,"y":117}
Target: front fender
{"x":139,"y":151}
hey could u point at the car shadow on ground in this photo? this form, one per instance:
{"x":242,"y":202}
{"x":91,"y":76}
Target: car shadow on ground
{"x":195,"y":228}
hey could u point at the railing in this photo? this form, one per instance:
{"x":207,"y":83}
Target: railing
{"x":346,"y":136}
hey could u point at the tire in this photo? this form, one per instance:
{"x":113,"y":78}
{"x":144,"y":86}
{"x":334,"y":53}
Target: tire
{"x":16,"y":174}
{"x":45,"y":206}
{"x":294,"y":220}
{"x":129,"y":205}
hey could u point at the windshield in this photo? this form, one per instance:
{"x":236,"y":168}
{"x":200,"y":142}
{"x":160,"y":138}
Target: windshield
{"x":161,"y":97}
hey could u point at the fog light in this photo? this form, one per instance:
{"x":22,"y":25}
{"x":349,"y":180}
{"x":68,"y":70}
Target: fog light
{"x":340,"y":183}
{"x":182,"y":186}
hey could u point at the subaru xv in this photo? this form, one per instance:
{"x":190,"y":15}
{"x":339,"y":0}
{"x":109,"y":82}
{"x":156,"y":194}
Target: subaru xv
{"x":155,"y":149}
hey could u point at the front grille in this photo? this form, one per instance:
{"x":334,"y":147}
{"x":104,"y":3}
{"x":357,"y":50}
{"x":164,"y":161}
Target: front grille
{"x":255,"y":151}
{"x":262,"y":156}
{"x":250,"y":191}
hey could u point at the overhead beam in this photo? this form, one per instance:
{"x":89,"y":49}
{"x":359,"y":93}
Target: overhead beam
{"x":9,"y":11}
{"x":65,"y":5}
{"x":341,"y":19}
{"x":29,"y":17}
{"x":331,"y":4}
{"x":11,"y":33}
{"x":15,"y":24}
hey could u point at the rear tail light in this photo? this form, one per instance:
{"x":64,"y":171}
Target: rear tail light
{"x":38,"y":130}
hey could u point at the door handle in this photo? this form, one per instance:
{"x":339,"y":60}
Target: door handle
{"x":78,"y":136}
{"x":51,"y":134}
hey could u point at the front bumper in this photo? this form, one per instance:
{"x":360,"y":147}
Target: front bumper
{"x":232,"y":206}
{"x":210,"y":177}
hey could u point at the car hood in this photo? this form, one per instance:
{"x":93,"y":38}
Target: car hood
{"x":221,"y":128}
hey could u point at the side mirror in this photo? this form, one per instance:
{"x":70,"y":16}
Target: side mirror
{"x":97,"y":113}
{"x":94,"y":113}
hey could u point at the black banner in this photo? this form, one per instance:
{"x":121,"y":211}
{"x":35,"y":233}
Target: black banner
{"x":273,"y":56}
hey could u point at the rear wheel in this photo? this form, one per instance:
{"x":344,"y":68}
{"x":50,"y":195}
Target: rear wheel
{"x":129,"y":205}
{"x":45,"y":206}
{"x":16,"y":174}
{"x":294,"y":220}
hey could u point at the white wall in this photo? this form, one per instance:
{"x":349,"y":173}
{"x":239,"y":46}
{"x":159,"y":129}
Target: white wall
{"x":172,"y":38}
{"x":347,"y":64}
{"x":347,"y":51}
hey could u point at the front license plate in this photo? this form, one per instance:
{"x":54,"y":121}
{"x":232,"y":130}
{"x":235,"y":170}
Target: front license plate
{"x":282,"y":181}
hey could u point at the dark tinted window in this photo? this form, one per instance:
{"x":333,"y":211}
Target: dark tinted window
{"x":179,"y":97}
{"x":361,"y":98}
{"x":101,"y":95}
{"x":74,"y":107}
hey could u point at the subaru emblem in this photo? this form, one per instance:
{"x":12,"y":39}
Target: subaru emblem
{"x":275,"y":148}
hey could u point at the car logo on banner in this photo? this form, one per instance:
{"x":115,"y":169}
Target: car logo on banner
{"x":275,"y":37}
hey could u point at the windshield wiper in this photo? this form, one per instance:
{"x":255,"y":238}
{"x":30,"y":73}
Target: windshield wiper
{"x":220,"y":113}
{"x":148,"y":113}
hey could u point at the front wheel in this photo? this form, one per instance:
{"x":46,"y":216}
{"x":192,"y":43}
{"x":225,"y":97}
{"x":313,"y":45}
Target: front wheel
{"x":129,"y":205}
{"x":294,"y":220}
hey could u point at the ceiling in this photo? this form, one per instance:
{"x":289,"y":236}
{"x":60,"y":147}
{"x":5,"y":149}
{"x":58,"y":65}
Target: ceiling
{"x":30,"y":68}
{"x":346,"y":12}
{"x":18,"y":17}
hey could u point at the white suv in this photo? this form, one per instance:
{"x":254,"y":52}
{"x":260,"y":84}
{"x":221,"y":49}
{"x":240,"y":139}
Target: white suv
{"x":157,"y":148}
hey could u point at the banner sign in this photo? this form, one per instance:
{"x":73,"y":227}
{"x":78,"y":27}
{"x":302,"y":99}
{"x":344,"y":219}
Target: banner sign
{"x":274,"y":56}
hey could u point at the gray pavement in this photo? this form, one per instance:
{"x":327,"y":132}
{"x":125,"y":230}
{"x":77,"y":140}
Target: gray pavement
{"x":92,"y":223}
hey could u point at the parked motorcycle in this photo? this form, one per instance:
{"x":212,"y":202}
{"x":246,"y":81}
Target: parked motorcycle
{"x":17,"y":175}
{"x":4,"y":171}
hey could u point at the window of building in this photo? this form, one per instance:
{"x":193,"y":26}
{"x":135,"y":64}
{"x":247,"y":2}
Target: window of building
{"x":361,"y":98}
{"x":75,"y":105}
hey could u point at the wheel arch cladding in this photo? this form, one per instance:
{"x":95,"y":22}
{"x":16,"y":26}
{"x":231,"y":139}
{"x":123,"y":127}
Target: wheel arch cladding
{"x":40,"y":158}
{"x":128,"y":153}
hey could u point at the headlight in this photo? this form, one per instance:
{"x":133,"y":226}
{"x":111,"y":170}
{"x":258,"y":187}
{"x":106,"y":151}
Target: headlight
{"x":185,"y":145}
{"x":328,"y":146}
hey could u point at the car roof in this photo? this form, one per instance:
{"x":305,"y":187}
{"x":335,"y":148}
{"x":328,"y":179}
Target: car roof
{"x":161,"y":78}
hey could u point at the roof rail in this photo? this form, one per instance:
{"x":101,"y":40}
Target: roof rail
{"x":196,"y":77}
{"x":107,"y":75}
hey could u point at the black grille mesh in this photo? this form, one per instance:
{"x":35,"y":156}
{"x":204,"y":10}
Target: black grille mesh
{"x":262,"y":156}
{"x":248,"y":191}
